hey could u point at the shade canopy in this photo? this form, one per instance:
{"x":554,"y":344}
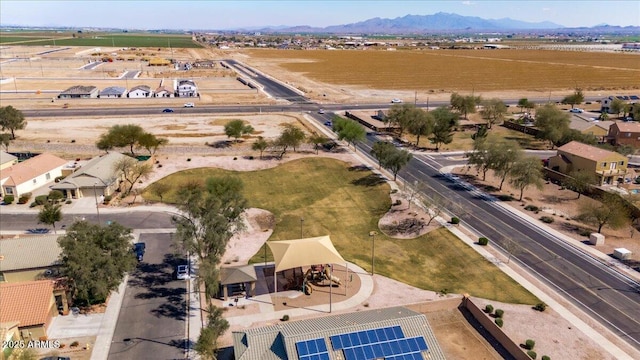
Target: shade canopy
{"x":237,"y":274}
{"x":289,"y":254}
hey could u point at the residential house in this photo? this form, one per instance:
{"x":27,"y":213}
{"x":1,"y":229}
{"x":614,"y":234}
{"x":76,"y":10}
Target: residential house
{"x":113,"y":92}
{"x":599,"y":129}
{"x":31,"y":258}
{"x":163,"y":92}
{"x":98,"y":177}
{"x":79,"y":92}
{"x":7,"y":160}
{"x":187,"y":88}
{"x":140,"y":91}
{"x":29,"y":303}
{"x":624,"y":133}
{"x":30,"y":174}
{"x":605,"y":103}
{"x":329,"y":337}
{"x":607,"y":166}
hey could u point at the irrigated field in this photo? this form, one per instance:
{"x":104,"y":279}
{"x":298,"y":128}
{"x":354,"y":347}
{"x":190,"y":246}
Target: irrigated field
{"x":102,"y":39}
{"x":463,"y":70}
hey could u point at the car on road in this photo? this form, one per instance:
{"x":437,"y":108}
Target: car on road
{"x":56,"y":358}
{"x":182,"y":272}
{"x":167,"y":110}
{"x":328,"y":123}
{"x":396,"y":101}
{"x":321,"y":111}
{"x":576,"y":110}
{"x":138,"y":249}
{"x":189,"y":105}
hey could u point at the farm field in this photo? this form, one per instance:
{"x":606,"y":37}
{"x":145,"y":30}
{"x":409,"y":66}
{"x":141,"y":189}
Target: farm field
{"x":100,"y":39}
{"x":461,"y":70}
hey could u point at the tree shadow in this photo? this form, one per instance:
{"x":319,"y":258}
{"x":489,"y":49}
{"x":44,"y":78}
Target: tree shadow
{"x":175,"y":310}
{"x":359,"y":168}
{"x":222,"y":144}
{"x":369,"y":180}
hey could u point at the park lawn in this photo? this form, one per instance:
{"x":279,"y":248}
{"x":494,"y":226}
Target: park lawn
{"x":160,"y":41}
{"x":346,"y":203}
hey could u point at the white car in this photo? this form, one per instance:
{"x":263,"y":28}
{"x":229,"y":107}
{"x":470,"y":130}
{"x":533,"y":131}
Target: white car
{"x":576,"y":110}
{"x":189,"y":105}
{"x":396,"y":101}
{"x":182,"y":272}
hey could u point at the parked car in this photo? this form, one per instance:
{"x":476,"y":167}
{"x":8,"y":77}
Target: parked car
{"x":167,"y":110}
{"x":189,"y":105}
{"x":321,"y":111}
{"x":182,"y":272}
{"x":56,"y":358}
{"x":328,"y":123}
{"x":576,"y":110}
{"x":138,"y":249}
{"x":396,"y":101}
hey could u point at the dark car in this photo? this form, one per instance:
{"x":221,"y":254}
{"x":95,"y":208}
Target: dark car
{"x":138,"y":249}
{"x":167,"y":110}
{"x":56,"y":358}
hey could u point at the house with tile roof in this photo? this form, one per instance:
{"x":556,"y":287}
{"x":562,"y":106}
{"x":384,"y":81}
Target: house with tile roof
{"x":113,"y":92}
{"x":79,"y":92}
{"x":98,"y":177}
{"x":30,"y":174}
{"x":599,"y":129}
{"x":624,"y":133}
{"x":29,"y":258}
{"x":607,"y":166}
{"x":31,"y":304}
{"x":290,"y":340}
{"x":140,"y":91}
{"x":7,"y":160}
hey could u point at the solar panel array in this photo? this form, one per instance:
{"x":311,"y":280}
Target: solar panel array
{"x":388,"y":343}
{"x":314,"y":349}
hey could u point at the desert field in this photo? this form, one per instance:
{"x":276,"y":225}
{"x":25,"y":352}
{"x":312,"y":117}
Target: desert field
{"x":460,"y":70}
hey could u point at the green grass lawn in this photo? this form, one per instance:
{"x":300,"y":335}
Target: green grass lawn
{"x":161,"y":41}
{"x":346,"y":203}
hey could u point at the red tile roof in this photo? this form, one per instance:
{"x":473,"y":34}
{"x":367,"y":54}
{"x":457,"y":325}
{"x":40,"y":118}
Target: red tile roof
{"x":32,"y":168}
{"x":586,"y":151}
{"x":28,"y":302}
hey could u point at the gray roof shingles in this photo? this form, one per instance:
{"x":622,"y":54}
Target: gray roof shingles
{"x":29,"y":252}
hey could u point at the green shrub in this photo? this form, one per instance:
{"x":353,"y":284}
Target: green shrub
{"x":546,"y":219}
{"x":529,"y":344}
{"x":532,"y":354}
{"x":499,"y":322}
{"x":545,"y":357}
{"x":33,"y":204}
{"x":483,"y":241}
{"x":499,"y":313}
{"x":455,"y":221}
{"x":531,"y":208}
{"x":74,"y":344}
{"x":488,"y":309}
{"x":68,"y":202}
{"x":540,"y":307}
{"x":41,"y":199}
{"x":8,"y":199}
{"x":55,"y":196}
{"x":397,"y":202}
{"x":285,"y":318}
{"x":106,"y":199}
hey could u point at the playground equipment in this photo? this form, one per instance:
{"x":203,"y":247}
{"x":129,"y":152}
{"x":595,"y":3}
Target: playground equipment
{"x":316,"y":274}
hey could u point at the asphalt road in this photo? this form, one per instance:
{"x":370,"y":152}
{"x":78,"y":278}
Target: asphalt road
{"x":152,"y":319}
{"x":597,"y":289}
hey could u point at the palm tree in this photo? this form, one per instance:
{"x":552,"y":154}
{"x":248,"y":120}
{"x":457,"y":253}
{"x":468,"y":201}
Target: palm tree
{"x":50,"y":214}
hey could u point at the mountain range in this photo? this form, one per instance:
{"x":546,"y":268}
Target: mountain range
{"x":416,"y":24}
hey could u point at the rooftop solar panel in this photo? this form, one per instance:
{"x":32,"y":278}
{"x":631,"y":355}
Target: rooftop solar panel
{"x":314,"y":349}
{"x":388,"y":342}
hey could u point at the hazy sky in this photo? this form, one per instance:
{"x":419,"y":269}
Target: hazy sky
{"x":239,"y":13}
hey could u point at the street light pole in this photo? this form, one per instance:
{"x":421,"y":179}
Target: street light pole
{"x":301,"y":222}
{"x":95,"y":196}
{"x":372,"y":235}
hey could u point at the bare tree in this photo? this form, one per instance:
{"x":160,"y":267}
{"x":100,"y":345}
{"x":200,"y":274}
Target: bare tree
{"x":132,"y":170}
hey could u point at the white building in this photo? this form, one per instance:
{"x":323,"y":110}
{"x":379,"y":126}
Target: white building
{"x":30,"y":174}
{"x":187,"y":88}
{"x":140,"y":91}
